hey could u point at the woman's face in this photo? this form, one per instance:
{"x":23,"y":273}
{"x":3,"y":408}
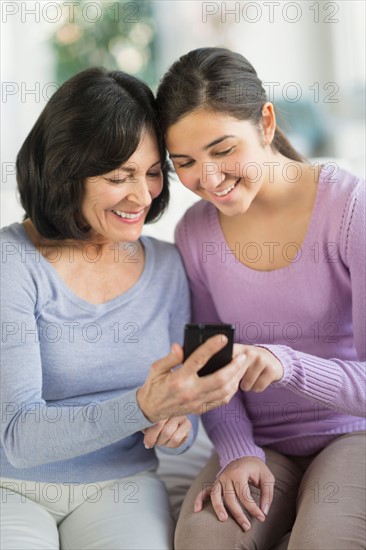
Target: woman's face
{"x":116,"y":204}
{"x":219,"y":158}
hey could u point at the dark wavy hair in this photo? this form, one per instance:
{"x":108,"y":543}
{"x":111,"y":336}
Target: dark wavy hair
{"x":220,"y":80}
{"x":90,"y":126}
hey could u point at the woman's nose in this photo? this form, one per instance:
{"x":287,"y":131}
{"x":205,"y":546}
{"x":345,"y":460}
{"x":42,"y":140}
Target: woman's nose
{"x":140,"y":193}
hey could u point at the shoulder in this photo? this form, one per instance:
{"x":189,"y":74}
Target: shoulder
{"x":167,"y":275}
{"x":20,"y":273}
{"x":340,"y":185}
{"x":343,"y":197}
{"x":160,"y":249}
{"x":12,"y":233}
{"x":194,"y":225}
{"x":164,"y":256}
{"x":13,"y":244}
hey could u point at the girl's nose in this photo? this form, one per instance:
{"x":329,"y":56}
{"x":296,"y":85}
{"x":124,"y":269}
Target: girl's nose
{"x":211,"y":176}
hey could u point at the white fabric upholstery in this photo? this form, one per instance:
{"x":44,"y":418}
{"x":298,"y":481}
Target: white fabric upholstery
{"x":178,"y":472}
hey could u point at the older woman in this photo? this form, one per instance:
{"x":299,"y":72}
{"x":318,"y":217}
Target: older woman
{"x":88,"y":306}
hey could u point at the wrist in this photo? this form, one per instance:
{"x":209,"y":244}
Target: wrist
{"x":280,"y":370}
{"x":141,"y":401}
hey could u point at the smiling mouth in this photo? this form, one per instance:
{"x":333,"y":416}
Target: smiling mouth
{"x":225,"y":191}
{"x":128,"y":215}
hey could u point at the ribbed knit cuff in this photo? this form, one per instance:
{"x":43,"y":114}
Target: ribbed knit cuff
{"x":231,"y":436}
{"x":307,"y":375}
{"x":282,"y":353}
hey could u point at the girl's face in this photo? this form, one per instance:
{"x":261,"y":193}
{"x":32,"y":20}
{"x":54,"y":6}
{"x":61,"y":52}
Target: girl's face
{"x":116,"y":204}
{"x":220,"y":158}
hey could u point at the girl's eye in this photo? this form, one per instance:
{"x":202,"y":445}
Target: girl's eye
{"x":186,"y":164}
{"x":221,"y":153}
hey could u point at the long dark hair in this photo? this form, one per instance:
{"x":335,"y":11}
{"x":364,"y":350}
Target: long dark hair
{"x":90,"y":126}
{"x":219,"y":80}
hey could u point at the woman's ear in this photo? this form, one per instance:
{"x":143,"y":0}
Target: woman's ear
{"x":267,"y":124}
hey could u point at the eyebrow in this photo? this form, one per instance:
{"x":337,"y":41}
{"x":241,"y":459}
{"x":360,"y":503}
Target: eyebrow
{"x":211,"y":144}
{"x":132,"y":169}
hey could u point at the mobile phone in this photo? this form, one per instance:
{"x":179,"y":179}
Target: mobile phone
{"x":195,"y":335}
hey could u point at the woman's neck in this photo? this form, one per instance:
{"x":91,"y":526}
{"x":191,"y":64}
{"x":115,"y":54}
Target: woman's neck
{"x":103,"y":250}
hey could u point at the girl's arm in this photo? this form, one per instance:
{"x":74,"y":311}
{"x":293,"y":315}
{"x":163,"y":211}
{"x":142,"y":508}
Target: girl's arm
{"x":227,"y":426}
{"x":335,"y":382}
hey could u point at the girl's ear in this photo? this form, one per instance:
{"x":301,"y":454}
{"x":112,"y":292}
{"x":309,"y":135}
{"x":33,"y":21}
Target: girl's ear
{"x":267,"y":124}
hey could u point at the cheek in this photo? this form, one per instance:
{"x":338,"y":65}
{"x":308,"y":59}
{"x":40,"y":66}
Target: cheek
{"x":156,"y":188}
{"x":187,"y":179}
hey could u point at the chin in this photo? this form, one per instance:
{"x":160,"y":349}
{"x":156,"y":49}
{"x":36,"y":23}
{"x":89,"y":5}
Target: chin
{"x":232,"y":210}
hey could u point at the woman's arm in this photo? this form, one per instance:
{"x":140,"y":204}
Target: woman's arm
{"x":180,"y":315}
{"x":29,"y":433}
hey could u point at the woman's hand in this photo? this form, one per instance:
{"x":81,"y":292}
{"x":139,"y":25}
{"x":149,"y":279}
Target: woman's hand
{"x":232,"y":488}
{"x":167,"y":393}
{"x":171,"y":433}
{"x":261,"y":369}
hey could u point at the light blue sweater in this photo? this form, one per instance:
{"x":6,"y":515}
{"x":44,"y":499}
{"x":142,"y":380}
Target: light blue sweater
{"x":70,"y":369}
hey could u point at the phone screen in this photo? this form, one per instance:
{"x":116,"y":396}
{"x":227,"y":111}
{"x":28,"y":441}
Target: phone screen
{"x":197,"y":334}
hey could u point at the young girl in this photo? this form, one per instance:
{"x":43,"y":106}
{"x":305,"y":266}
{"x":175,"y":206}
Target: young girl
{"x":88,"y":306}
{"x":276,"y":247}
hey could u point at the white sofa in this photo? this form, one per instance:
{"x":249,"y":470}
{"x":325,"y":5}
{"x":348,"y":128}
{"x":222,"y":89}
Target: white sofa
{"x":178,"y":472}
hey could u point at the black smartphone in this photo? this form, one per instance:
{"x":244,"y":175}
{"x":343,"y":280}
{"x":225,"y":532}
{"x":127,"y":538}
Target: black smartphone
{"x":195,"y":335}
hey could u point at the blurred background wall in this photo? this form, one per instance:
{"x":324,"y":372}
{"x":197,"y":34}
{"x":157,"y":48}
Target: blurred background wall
{"x":310,"y":55}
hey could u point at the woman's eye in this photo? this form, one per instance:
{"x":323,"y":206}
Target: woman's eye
{"x":221,"y":153}
{"x":111,"y":180}
{"x":155,"y":174}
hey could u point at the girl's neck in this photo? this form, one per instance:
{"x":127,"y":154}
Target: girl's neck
{"x":284,"y":182}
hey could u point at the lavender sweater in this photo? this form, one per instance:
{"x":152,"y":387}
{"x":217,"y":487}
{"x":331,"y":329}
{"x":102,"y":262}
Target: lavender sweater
{"x":310,"y":315}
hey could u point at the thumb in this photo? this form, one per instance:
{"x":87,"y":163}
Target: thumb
{"x":173,"y":359}
{"x":200,"y":498}
{"x":177,"y":350}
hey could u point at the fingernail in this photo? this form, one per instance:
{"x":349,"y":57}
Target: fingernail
{"x":222,"y":517}
{"x":266,"y":508}
{"x":260,"y":517}
{"x":146,"y":446}
{"x":197,"y":508}
{"x":246,"y":526}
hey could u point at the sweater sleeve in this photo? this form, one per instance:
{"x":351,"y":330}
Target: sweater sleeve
{"x":230,"y":430}
{"x":29,"y":434}
{"x":334,"y":382}
{"x":181,"y":315}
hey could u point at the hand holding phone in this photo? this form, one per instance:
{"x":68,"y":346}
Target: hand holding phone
{"x":170,"y":392}
{"x":197,"y":334}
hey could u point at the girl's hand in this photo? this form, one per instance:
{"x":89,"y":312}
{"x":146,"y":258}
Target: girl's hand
{"x":171,"y":433}
{"x":231,"y":490}
{"x":167,"y":393}
{"x":261,"y":369}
